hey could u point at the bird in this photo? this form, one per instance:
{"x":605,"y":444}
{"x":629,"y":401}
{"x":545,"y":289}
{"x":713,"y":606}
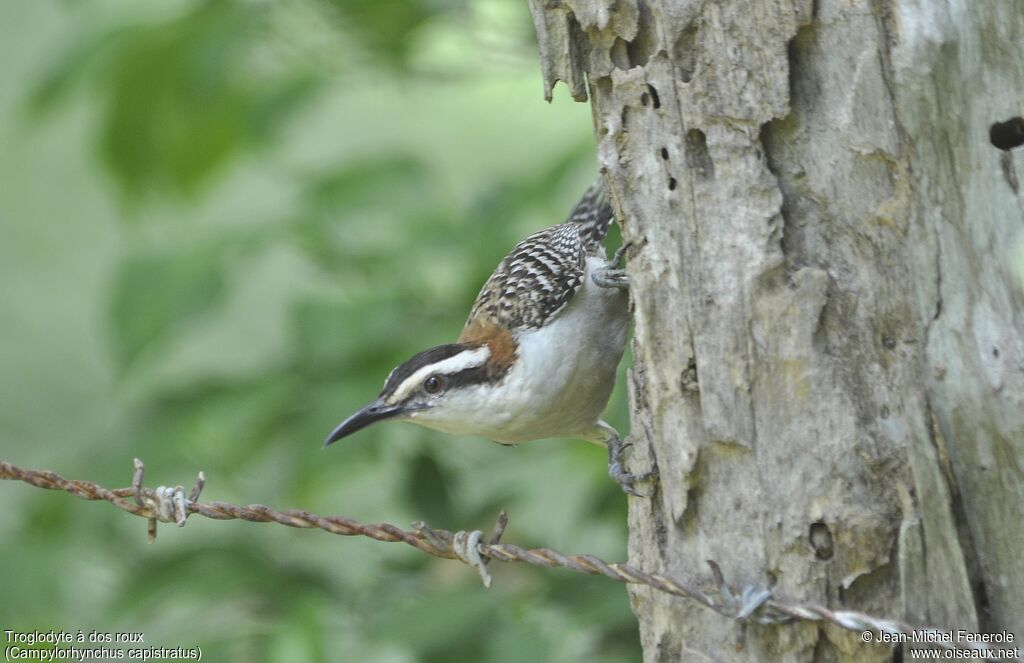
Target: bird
{"x":538,"y":354}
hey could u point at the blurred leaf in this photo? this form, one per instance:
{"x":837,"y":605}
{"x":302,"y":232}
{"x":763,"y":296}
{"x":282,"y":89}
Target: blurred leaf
{"x":330,"y":335}
{"x":47,"y":515}
{"x":440,"y":621}
{"x":179,"y":99}
{"x":181,"y":96}
{"x":223,"y":423}
{"x":233,"y":567}
{"x":590,"y":599}
{"x":346,"y":192}
{"x":299,"y":638}
{"x":57,"y":82}
{"x":510,"y":198}
{"x":520,"y":640}
{"x":156,"y":294}
{"x":428,"y":490}
{"x":366,"y":181}
{"x":387,"y":27}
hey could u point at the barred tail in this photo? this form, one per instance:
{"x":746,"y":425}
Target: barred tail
{"x":593,"y":214}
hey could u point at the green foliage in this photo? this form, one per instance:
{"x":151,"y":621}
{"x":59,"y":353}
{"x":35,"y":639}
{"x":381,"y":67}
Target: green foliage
{"x":388,"y":26}
{"x":154,"y":294}
{"x":300,"y":246}
{"x":180,"y":96}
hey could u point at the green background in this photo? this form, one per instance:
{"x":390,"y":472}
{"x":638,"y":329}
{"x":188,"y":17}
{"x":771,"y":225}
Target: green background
{"x":222,"y":223}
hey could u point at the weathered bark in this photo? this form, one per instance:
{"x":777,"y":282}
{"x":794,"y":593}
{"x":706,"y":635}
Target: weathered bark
{"x":828,"y":284}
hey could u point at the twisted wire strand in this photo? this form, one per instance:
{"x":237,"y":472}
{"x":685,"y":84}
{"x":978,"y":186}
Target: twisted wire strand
{"x":750,"y":604}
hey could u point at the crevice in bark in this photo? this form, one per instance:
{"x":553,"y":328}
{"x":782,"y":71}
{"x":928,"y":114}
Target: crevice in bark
{"x":689,"y":381}
{"x":644,"y":44}
{"x":795,"y":56}
{"x":938,"y":290}
{"x":975,"y":574}
{"x":620,"y":53}
{"x":859,"y":590}
{"x":686,"y":522}
{"x":787,"y":228}
{"x":655,"y":99}
{"x":684,"y":51}
{"x":668,"y":652}
{"x":777,"y":133}
{"x":823,"y":650}
{"x":697,"y":157}
{"x":1009,"y":171}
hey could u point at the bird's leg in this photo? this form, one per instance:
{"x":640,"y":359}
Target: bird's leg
{"x":616,"y":469}
{"x":619,"y":255}
{"x":613,"y":276}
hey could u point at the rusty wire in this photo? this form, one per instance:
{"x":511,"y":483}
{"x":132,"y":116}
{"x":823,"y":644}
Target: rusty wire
{"x":748,"y":604}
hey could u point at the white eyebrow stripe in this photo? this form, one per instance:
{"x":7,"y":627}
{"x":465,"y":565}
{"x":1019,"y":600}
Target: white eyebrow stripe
{"x":460,"y":362}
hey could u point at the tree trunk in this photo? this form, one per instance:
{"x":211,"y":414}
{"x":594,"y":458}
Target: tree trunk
{"x":828,"y":290}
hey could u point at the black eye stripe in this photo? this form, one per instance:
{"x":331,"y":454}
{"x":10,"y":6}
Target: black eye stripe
{"x":467,"y":377}
{"x":425,"y":358}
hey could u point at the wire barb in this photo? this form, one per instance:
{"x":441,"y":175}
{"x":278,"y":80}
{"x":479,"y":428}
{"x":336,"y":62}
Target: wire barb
{"x":752,"y":604}
{"x":499,"y":528}
{"x":467,"y":547}
{"x":167,"y":504}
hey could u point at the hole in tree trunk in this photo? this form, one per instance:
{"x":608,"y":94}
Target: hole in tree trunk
{"x":654,"y":95}
{"x":643,"y":45}
{"x":620,"y":53}
{"x":821,"y":540}
{"x":1007,"y":135}
{"x":697,"y":157}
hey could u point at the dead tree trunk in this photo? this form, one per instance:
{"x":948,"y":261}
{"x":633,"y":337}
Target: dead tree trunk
{"x":828,"y":284}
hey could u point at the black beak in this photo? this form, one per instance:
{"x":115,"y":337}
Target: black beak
{"x":372,"y":413}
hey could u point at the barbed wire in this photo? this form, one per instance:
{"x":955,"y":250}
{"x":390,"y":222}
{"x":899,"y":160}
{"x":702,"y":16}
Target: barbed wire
{"x":746,"y":604}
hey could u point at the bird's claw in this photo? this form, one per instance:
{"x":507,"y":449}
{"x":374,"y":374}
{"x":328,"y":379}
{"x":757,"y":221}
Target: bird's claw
{"x":618,"y":473}
{"x":611,"y":278}
{"x":624,"y":479}
{"x":620,"y":254}
{"x":613,"y":275}
{"x":627,"y":481}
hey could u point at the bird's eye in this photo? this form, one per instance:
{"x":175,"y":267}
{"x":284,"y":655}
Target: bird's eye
{"x":433,"y":384}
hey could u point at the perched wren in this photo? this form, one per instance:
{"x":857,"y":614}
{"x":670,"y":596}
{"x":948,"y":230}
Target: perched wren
{"x":538,"y":355}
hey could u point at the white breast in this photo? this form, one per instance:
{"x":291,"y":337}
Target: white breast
{"x":561,"y":380}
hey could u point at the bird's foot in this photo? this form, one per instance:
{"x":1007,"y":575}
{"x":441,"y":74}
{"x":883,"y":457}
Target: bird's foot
{"x":618,"y":473}
{"x":611,"y":278}
{"x":618,"y":257}
{"x":614,"y":276}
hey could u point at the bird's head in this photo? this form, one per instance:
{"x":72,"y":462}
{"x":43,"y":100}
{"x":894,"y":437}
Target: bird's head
{"x":433,"y":388}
